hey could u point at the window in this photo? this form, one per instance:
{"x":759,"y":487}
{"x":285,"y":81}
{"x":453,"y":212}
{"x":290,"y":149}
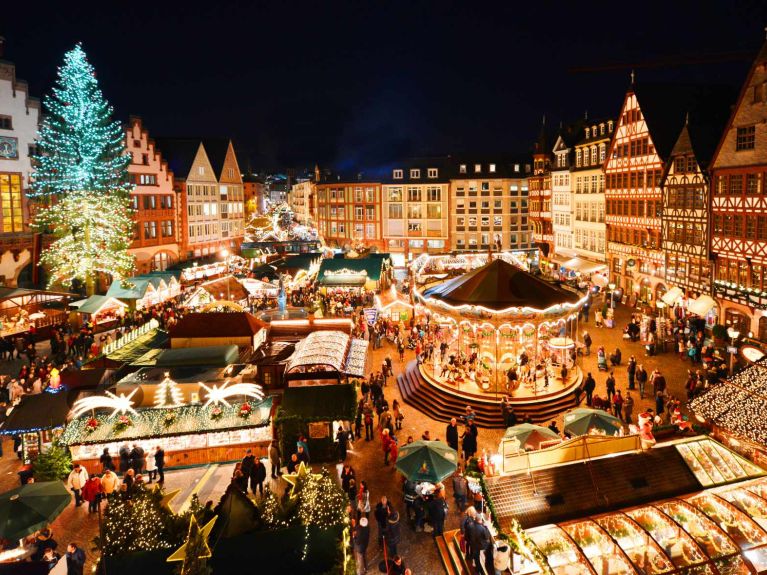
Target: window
{"x":359,"y":213}
{"x":369,"y":195}
{"x":414,"y":226}
{"x":166,"y":202}
{"x":432,"y":173}
{"x":492,"y":168}
{"x":397,"y":174}
{"x":150,"y":230}
{"x":414,"y":211}
{"x":6,"y":123}
{"x":370,"y":230}
{"x":434,"y":211}
{"x":462,"y":169}
{"x":414,"y":194}
{"x":497,"y":221}
{"x":358,"y":194}
{"x":395,"y":194}
{"x":433,"y":195}
{"x":415,"y":173}
{"x":752,"y":184}
{"x":745,"y":138}
{"x":167,"y":228}
{"x":148,"y":180}
{"x":477,"y":168}
{"x":370,"y":213}
{"x":34,"y":150}
{"x":10,"y":202}
{"x":149,"y":203}
{"x":201,"y":170}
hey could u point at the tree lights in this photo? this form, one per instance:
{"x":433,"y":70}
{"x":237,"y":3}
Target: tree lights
{"x":168,"y":393}
{"x":82,"y":175}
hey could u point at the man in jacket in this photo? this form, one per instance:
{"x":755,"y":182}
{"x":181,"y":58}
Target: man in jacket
{"x":451,"y":434}
{"x":76,"y":481}
{"x":246,"y":466}
{"x":393,"y":532}
{"x":257,"y":477}
{"x":631,"y":369}
{"x":481,"y":541}
{"x":137,"y":458}
{"x":274,"y":459}
{"x":588,"y":386}
{"x":361,"y":539}
{"x":75,"y":559}
{"x":382,"y":515}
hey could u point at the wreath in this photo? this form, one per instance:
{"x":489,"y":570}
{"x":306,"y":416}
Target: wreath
{"x":91,"y":425}
{"x":123,"y":422}
{"x":216,"y":413}
{"x":245,"y":410}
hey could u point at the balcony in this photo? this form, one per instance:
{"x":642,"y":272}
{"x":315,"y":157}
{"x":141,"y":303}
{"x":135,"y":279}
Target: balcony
{"x":752,"y":297}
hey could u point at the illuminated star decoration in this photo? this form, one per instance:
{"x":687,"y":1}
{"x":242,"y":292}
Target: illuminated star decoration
{"x":121,"y":404}
{"x":218,"y":395}
{"x":167,"y":498}
{"x":180,"y":553}
{"x":292,"y":478}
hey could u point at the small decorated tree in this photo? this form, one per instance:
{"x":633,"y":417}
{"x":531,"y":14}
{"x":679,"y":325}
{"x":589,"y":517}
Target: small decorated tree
{"x":53,"y":464}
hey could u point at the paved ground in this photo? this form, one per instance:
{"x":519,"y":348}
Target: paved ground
{"x":366,"y":457}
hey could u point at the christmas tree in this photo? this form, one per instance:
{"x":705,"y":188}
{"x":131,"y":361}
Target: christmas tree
{"x":82,"y":179}
{"x":321,"y":501}
{"x":53,"y":464}
{"x":168,"y":394}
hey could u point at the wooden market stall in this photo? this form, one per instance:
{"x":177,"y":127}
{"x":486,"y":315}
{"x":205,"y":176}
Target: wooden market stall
{"x":20,"y":308}
{"x":371,"y":273}
{"x":218,"y":328}
{"x":38,"y":419}
{"x":101,"y":309}
{"x":145,"y":290}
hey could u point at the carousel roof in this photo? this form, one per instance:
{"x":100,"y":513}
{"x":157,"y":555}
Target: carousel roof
{"x":498,"y":286}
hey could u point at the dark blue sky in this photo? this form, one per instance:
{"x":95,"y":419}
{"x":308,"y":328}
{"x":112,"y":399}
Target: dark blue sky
{"x":363,"y":82}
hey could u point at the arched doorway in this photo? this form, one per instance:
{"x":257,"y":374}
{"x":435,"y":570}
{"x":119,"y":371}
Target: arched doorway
{"x":762,"y":335}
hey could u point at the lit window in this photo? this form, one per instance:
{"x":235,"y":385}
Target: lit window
{"x":477,"y":168}
{"x":462,"y":169}
{"x":432,"y":172}
{"x":201,"y":170}
{"x":415,"y":173}
{"x":746,"y":138}
{"x":492,"y":168}
{"x":397,"y":175}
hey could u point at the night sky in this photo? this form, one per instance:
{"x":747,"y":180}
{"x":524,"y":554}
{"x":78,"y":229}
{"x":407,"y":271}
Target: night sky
{"x":362,"y":82}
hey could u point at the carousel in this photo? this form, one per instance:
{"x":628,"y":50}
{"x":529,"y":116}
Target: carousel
{"x":500,"y":330}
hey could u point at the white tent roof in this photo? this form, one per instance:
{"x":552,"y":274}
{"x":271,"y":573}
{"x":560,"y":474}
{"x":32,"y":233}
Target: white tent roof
{"x":702,"y":305}
{"x":320,"y":348}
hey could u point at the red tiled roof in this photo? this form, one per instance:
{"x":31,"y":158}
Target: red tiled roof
{"x":217,"y":324}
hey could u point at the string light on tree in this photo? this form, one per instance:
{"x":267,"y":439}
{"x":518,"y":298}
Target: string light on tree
{"x":83,"y":168}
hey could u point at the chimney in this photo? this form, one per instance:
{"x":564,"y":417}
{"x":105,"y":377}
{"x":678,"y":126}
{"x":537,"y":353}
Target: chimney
{"x":2,"y":47}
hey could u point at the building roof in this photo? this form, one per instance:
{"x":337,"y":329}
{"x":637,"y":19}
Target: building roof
{"x":37,"y":412}
{"x":96,"y":303}
{"x":372,"y":267}
{"x":505,"y":167}
{"x":321,"y":402}
{"x":320,"y":348}
{"x":136,"y":287}
{"x":499,"y":285}
{"x":232,"y":289}
{"x":665,"y":106}
{"x":215,"y":355}
{"x":179,"y":153}
{"x":217,"y":324}
{"x":216,"y":148}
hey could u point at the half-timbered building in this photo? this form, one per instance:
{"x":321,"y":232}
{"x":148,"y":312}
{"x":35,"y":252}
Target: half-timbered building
{"x":540,"y":196}
{"x":739,"y":209}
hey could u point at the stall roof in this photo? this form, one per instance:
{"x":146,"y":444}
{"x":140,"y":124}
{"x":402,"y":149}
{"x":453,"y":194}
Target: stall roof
{"x":130,"y":352}
{"x":274,"y":352}
{"x":216,"y":355}
{"x":372,"y":267}
{"x":564,"y":492}
{"x":217,"y":324}
{"x":326,"y":348}
{"x":12,"y":292}
{"x":499,"y":285}
{"x":297,"y":262}
{"x":96,"y":303}
{"x":738,"y":404}
{"x":320,"y":402}
{"x":37,"y":412}
{"x":232,"y":289}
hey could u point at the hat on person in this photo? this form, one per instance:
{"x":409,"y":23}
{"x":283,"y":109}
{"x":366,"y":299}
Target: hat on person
{"x":363,"y":521}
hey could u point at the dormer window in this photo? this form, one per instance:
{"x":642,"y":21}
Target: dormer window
{"x":516,"y":167}
{"x":415,"y":173}
{"x":462,"y":169}
{"x":201,"y":170}
{"x":610,"y":126}
{"x":477,"y":168}
{"x":432,"y":172}
{"x":492,"y":168}
{"x":601,"y":129}
{"x":397,"y":174}
{"x":587,"y":132}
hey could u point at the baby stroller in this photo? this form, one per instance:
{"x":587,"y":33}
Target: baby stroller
{"x":602,"y":361}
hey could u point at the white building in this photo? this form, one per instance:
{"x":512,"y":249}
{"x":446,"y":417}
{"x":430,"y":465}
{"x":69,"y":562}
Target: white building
{"x":561,"y":197}
{"x":19,"y":120}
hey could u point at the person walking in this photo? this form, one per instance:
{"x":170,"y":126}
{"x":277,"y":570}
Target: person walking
{"x":274,"y":459}
{"x":76,"y":481}
{"x":641,"y":377}
{"x":386,"y":445}
{"x":159,"y":463}
{"x":361,"y":540}
{"x":587,"y":343}
{"x":75,"y":559}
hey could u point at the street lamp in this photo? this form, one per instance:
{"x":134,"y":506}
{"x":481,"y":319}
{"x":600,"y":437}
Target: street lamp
{"x":734,"y":335}
{"x":612,"y":298}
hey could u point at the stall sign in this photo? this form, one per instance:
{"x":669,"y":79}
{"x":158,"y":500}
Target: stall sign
{"x":371,"y":315}
{"x":319,"y":430}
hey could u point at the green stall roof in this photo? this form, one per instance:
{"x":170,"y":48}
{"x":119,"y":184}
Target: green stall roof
{"x":320,"y":402}
{"x":216,"y":355}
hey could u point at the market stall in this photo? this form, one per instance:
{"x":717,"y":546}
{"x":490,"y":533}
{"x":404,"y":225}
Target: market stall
{"x":354,"y":275}
{"x":20,"y":308}
{"x":37,"y":419}
{"x":101,"y":309}
{"x":145,"y":290}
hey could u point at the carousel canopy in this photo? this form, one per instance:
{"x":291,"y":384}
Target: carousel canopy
{"x":498,"y":286}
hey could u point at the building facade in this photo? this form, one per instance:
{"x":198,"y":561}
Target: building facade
{"x":540,"y":196}
{"x":301,"y":200}
{"x":153,"y":199}
{"x":19,"y":120}
{"x":739,"y":209}
{"x":561,"y":198}
{"x":231,"y":206}
{"x":587,"y":181}
{"x":633,"y":204}
{"x":253,"y":189}
{"x":349,"y":211}
{"x":416,"y":208}
{"x":488,"y":206}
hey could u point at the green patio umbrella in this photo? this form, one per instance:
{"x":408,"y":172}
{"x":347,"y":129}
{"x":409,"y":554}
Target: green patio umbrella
{"x":579,"y":421}
{"x":429,"y":461}
{"x":30,"y":507}
{"x":530,"y":435}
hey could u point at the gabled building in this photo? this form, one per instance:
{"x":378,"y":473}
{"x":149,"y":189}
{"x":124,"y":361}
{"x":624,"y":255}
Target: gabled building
{"x":561,"y":198}
{"x":649,"y":123}
{"x":588,"y":186}
{"x":686,"y":218}
{"x":19,"y":121}
{"x":540,"y":195}
{"x":349,"y":210}
{"x":153,"y":199}
{"x":302,"y":198}
{"x":488,"y":205}
{"x":739,"y":208}
{"x":231,"y":206}
{"x":415,"y":206}
{"x":197,"y":196}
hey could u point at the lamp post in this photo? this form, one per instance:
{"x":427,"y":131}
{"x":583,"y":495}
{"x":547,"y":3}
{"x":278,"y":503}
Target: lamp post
{"x":734,"y":335}
{"x":612,"y":299}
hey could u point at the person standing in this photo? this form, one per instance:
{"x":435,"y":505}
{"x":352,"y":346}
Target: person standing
{"x":610,"y":383}
{"x":587,"y":345}
{"x":109,"y":483}
{"x":76,"y":481}
{"x":75,"y":559}
{"x":588,"y":386}
{"x":438,"y":513}
{"x":92,"y":493}
{"x":480,"y":541}
{"x":159,"y":462}
{"x":386,"y":445}
{"x":382,"y":517}
{"x":641,"y":377}
{"x":393,"y":532}
{"x":137,"y":459}
{"x":631,"y":369}
{"x":469,"y":444}
{"x":342,"y":443}
{"x":363,"y":500}
{"x":258,"y":476}
{"x":618,"y":405}
{"x":151,"y":467}
{"x":124,"y":458}
{"x":460,"y":489}
{"x":106,"y":460}
{"x":246,"y":466}
{"x":274,"y":459}
{"x":628,"y":407}
{"x":451,"y":434}
{"x":361,"y":539}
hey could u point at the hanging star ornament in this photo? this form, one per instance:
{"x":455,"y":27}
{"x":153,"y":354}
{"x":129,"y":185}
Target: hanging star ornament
{"x":180,"y":553}
{"x":301,"y":471}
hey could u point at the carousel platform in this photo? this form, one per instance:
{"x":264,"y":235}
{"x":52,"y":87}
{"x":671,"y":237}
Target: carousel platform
{"x":442,"y":403}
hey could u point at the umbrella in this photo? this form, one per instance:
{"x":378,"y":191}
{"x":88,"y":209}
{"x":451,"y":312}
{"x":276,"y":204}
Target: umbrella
{"x":430,"y":461}
{"x":30,"y":507}
{"x":580,"y":421}
{"x":530,"y":435}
